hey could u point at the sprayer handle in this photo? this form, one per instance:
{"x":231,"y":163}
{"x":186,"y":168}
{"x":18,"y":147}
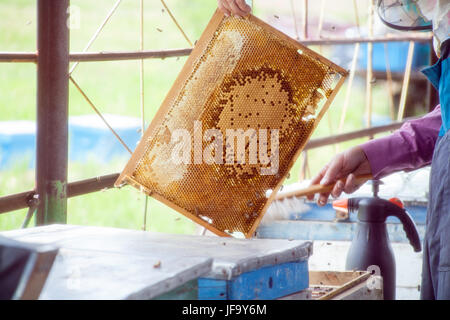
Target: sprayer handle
{"x":409,"y":227}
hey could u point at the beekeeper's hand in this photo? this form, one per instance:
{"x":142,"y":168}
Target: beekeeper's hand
{"x":235,"y":7}
{"x":344,"y":167}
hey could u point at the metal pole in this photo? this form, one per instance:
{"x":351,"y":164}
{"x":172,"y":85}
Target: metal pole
{"x":25,"y":199}
{"x":20,"y":57}
{"x":367,"y":132}
{"x":52,"y":111}
{"x":77,"y":188}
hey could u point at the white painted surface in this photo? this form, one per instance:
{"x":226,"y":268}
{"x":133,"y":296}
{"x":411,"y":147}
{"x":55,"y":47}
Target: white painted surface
{"x":114,"y":120}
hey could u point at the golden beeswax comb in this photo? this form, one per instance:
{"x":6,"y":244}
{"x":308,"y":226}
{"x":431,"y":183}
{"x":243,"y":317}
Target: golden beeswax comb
{"x":242,"y":76}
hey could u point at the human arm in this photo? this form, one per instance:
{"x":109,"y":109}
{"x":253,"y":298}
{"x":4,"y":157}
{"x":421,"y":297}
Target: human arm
{"x":411,"y":147}
{"x":236,"y":7}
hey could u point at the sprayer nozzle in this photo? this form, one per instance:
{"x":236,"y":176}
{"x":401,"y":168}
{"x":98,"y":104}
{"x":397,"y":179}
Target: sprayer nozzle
{"x":341,"y":205}
{"x":397,"y":202}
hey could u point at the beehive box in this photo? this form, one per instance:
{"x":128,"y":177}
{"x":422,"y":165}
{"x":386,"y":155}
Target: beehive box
{"x":345,"y":285}
{"x":111,"y":263}
{"x":340,"y":285}
{"x":233,"y":124}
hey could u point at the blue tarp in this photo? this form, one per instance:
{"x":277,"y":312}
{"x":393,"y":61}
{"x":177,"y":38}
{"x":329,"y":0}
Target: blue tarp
{"x":89,"y":138}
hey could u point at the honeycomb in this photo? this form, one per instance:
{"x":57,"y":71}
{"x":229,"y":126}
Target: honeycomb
{"x":243,"y":78}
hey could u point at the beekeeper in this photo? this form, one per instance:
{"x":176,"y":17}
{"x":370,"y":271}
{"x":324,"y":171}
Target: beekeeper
{"x":416,"y":144}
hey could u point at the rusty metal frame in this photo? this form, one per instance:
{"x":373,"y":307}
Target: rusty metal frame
{"x":25,"y":199}
{"x":168,"y":53}
{"x":52,"y":111}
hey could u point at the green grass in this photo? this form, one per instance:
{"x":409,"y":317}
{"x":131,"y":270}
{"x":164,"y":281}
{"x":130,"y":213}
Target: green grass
{"x":114,"y":88}
{"x":122,"y":208}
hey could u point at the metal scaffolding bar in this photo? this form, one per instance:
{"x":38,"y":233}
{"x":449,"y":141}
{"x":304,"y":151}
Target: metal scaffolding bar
{"x":128,"y":55}
{"x":367,"y":132}
{"x":161,"y":54}
{"x":18,"y":57}
{"x":22,"y":200}
{"x":52,"y":111}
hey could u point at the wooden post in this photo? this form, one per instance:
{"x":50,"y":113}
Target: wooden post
{"x":405,"y":86}
{"x":389,"y":82}
{"x":305,"y":19}
{"x":369,"y":74}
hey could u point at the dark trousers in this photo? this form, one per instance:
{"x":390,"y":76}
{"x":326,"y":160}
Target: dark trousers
{"x":436,"y":254}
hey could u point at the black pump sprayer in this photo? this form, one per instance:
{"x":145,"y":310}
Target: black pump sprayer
{"x":370,"y":245}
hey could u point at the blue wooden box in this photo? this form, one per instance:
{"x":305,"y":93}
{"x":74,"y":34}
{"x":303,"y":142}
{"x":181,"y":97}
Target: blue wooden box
{"x":269,"y":282}
{"x":397,"y":52}
{"x":248,"y":269}
{"x":319,"y":223}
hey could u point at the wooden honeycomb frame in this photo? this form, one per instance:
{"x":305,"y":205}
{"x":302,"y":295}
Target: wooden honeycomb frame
{"x":242,"y":74}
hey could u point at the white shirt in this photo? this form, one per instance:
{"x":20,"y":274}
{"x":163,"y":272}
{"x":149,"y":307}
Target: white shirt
{"x":438,"y":11}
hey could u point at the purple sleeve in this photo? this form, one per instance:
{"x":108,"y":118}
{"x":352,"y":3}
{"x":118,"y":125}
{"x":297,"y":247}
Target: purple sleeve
{"x":408,"y":148}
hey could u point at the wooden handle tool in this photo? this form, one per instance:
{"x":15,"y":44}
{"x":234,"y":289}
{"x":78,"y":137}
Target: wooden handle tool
{"x":318,"y":188}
